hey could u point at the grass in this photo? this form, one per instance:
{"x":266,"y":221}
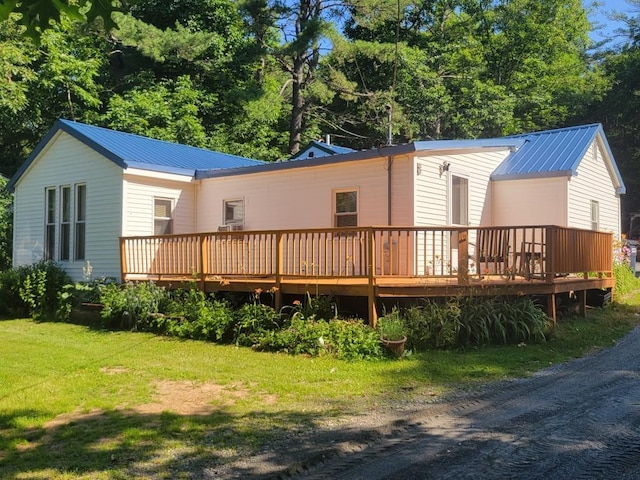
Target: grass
{"x":80,"y":403}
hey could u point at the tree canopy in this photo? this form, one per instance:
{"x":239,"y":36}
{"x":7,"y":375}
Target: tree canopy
{"x":260,"y":78}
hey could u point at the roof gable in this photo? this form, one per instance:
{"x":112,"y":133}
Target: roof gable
{"x":556,"y":152}
{"x":134,"y":151}
{"x":316,"y":149}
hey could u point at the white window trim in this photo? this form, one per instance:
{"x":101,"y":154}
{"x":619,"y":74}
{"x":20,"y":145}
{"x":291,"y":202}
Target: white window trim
{"x":334,"y":214}
{"x":47,"y":224}
{"x":169,"y":218}
{"x":450,"y":176}
{"x":61,"y":223}
{"x":595,"y":212}
{"x":226,"y":221}
{"x":77,"y":222}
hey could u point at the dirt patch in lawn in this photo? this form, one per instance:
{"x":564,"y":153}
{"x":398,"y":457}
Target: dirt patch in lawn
{"x":181,"y":397}
{"x":191,"y":398}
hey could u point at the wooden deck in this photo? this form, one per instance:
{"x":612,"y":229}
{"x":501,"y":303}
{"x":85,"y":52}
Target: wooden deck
{"x":380,"y":262}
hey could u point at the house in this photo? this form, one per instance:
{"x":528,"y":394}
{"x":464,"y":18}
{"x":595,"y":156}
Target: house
{"x":83,"y":187}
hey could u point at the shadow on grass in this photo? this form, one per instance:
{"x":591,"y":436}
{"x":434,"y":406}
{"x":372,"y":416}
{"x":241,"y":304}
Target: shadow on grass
{"x":127,"y":444}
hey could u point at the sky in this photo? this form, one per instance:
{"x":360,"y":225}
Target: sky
{"x":599,"y":15}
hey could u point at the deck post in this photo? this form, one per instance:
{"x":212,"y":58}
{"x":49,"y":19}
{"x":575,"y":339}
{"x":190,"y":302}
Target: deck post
{"x":463,"y":257}
{"x":551,"y":239}
{"x":551,"y":307}
{"x":582,"y":302}
{"x":203,"y":260}
{"x":371,"y":267}
{"x":278,"y":272}
{"x":123,"y":263}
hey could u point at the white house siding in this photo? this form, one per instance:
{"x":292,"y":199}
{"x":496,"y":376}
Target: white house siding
{"x":537,"y":201}
{"x":66,"y":161}
{"x":140,"y":190}
{"x":432,"y":199}
{"x":593,"y":182}
{"x":303,"y":197}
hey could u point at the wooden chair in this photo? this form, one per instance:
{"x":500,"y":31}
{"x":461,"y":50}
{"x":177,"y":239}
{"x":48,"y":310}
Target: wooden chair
{"x":492,"y":252}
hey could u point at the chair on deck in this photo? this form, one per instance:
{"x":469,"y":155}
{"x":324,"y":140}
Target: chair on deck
{"x":492,"y":252}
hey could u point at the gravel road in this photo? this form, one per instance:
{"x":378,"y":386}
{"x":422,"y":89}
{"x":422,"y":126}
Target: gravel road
{"x":579,"y":420}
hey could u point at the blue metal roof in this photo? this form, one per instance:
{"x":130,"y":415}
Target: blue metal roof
{"x":134,"y":151}
{"x":554,"y":153}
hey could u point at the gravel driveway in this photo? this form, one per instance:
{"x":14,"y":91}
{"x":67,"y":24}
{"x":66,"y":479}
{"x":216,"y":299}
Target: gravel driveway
{"x":579,"y":420}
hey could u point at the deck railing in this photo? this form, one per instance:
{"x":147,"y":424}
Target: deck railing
{"x":543,"y":252}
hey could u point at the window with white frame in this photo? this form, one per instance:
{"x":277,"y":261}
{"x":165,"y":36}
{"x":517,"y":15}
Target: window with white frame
{"x":162,"y":220}
{"x":234,"y":212}
{"x":346,"y":208}
{"x":50,"y":224}
{"x":65,"y":223}
{"x":459,"y":200}
{"x":80,"y":222}
{"x":595,"y":215}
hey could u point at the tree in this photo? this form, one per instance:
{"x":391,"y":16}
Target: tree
{"x":38,"y":16}
{"x":619,"y":112}
{"x":6,"y":225}
{"x":462,"y":68}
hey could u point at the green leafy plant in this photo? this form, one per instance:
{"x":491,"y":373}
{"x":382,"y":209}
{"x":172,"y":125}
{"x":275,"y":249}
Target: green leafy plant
{"x":38,"y":288}
{"x":132,"y":305}
{"x":321,"y":307}
{"x":391,"y":326}
{"x":626,"y":281}
{"x":192,"y":314}
{"x":353,"y":340}
{"x":254,"y":318}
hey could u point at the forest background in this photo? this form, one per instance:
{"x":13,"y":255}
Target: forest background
{"x":261,"y":78}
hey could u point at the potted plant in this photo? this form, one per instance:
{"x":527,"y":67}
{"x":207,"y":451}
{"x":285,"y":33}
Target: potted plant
{"x":392,"y":332}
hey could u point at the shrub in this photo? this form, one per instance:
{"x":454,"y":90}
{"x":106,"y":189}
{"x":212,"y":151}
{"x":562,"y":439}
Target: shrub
{"x":252,"y":320}
{"x":625,"y":279}
{"x":131,"y":305}
{"x":353,"y":340}
{"x":192,"y":314}
{"x":38,"y":289}
{"x":300,"y":336}
{"x":344,"y":339}
{"x":432,"y":325}
{"x":10,"y":301}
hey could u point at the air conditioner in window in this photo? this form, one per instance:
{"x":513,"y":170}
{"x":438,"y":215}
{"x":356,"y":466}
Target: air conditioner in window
{"x":224,"y":228}
{"x":238,"y":227}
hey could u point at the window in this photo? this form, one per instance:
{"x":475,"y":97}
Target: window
{"x":234,"y":212}
{"x":50,"y":224}
{"x":595,"y":215}
{"x":162,"y":222}
{"x":80,"y":222}
{"x":459,"y":200}
{"x":346,"y":209}
{"x":65,"y":223}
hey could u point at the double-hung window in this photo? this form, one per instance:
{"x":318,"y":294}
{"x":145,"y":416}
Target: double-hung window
{"x":80,"y":222}
{"x":459,"y":200}
{"x":162,"y":220}
{"x":595,"y":215}
{"x":346,"y":208}
{"x":65,"y":223}
{"x":50,"y":224}
{"x":234,"y":212}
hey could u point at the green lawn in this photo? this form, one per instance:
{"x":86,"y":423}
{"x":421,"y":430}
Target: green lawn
{"x":81,"y":403}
